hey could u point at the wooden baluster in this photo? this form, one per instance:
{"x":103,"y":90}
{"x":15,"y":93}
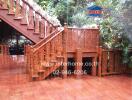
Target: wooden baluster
{"x":45,"y":28}
{"x":11,"y":7}
{"x":30,"y":19}
{"x":38,"y":60}
{"x":18,"y":10}
{"x":48,"y":52}
{"x":59,"y":46}
{"x":53,"y":50}
{"x":4,"y":4}
{"x":37,"y":25}
{"x":1,"y":4}
{"x":35,"y":63}
{"x":42,"y":55}
{"x":24,"y":11}
{"x":48,"y":29}
{"x":42,"y":29}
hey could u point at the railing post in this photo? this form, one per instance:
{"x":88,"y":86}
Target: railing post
{"x":65,"y":51}
{"x":65,"y":64}
{"x":100,"y":60}
{"x":94,"y":66}
{"x":78,"y":64}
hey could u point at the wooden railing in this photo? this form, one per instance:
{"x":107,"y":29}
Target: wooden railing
{"x":47,"y":56}
{"x":29,"y":16}
{"x":111,"y":62}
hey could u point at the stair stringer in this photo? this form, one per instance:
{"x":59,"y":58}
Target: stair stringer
{"x":16,"y":24}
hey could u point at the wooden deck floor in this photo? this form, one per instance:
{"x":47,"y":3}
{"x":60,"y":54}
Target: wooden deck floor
{"x":14,"y":85}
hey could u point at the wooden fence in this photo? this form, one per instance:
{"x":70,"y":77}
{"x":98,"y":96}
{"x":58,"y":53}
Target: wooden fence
{"x":4,"y":57}
{"x":111,"y":62}
{"x":4,"y":49}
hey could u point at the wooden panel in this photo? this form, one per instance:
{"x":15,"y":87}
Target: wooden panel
{"x":111,"y":62}
{"x":104,"y":62}
{"x":86,"y":39}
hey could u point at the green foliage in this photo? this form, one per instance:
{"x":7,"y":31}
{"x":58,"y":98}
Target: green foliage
{"x":65,"y":10}
{"x":79,"y":19}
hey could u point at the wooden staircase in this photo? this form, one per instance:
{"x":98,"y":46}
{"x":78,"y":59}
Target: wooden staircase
{"x":47,"y":54}
{"x":44,"y":58}
{"x":22,"y":16}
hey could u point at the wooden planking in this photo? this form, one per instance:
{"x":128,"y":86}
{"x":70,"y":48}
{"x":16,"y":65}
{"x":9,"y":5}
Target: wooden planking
{"x":116,"y":65}
{"x":104,"y":62}
{"x":111,"y":69}
{"x":86,"y":39}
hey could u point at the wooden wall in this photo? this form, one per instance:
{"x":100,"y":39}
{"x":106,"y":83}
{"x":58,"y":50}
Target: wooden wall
{"x":86,"y":39}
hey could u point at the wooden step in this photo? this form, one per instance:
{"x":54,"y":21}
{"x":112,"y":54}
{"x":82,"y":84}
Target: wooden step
{"x":18,"y":18}
{"x":53,"y":61}
{"x":41,"y":36}
{"x":35,"y":77}
{"x":41,"y":71}
{"x":36,"y":33}
{"x":60,"y":56}
{"x":12,"y":14}
{"x":30,"y":28}
{"x":24,"y":23}
{"x":1,"y":8}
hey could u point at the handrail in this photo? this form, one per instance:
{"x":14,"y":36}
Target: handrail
{"x":35,"y":46}
{"x":37,"y":12}
{"x":52,"y":36}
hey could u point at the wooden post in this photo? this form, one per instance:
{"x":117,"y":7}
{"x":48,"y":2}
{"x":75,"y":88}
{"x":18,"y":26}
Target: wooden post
{"x":94,"y":66}
{"x":99,"y":63}
{"x":65,"y":65}
{"x":65,"y":51}
{"x":78,"y":69}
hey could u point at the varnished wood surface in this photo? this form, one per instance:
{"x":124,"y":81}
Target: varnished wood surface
{"x":14,"y":85}
{"x":86,"y":39}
